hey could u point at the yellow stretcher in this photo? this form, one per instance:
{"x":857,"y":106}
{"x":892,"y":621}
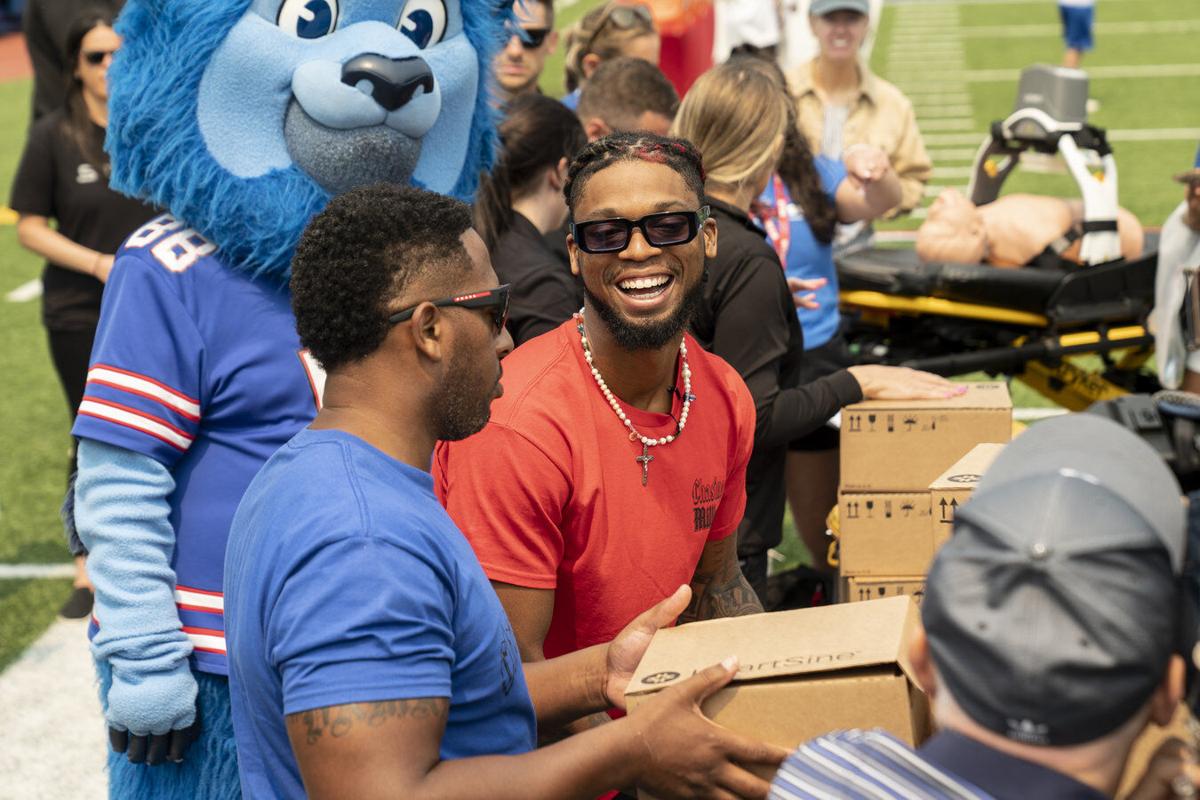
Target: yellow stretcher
{"x":1077,"y":334}
{"x":1033,"y":324}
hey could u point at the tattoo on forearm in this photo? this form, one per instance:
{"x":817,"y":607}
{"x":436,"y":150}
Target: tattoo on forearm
{"x":716,"y":596}
{"x":337,"y":721}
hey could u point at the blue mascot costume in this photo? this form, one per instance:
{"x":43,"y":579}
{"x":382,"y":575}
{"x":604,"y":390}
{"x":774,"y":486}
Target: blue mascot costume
{"x":243,"y":117}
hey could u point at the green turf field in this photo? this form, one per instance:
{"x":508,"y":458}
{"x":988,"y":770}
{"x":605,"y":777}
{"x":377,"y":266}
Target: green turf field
{"x":995,"y":36}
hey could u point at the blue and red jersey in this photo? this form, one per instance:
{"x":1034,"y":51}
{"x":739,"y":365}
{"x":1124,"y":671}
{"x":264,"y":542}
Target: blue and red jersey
{"x":201,"y":369}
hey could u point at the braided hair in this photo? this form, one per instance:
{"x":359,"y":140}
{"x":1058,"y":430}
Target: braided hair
{"x":678,"y":154}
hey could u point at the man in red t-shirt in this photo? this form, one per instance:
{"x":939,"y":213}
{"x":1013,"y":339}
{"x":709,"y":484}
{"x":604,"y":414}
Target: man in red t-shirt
{"x":613,"y":469}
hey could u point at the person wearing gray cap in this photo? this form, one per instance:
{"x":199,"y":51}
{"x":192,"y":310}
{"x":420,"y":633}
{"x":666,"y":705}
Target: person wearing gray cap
{"x":1054,"y":622}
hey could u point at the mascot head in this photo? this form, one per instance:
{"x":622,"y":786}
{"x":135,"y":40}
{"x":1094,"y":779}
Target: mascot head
{"x":243,"y":117}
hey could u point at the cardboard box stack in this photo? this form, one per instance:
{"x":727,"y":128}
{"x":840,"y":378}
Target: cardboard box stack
{"x":892,"y":451}
{"x":801,"y":673}
{"x":952,"y":488}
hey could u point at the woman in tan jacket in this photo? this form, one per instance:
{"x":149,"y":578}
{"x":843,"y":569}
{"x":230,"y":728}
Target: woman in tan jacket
{"x":840,"y":104}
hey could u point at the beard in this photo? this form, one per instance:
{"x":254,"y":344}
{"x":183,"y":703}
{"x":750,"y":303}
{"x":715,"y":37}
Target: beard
{"x":653,"y":335}
{"x":462,"y":405}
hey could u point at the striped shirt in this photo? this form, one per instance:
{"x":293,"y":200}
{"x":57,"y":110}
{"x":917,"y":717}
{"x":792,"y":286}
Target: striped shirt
{"x":865,"y":765}
{"x":201,"y":369}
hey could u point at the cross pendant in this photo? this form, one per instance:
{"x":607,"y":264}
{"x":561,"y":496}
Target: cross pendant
{"x":644,"y":459}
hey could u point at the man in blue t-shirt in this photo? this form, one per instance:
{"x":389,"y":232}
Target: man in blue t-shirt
{"x":368,"y":653}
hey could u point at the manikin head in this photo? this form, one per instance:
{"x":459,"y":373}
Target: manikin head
{"x":953,"y":232}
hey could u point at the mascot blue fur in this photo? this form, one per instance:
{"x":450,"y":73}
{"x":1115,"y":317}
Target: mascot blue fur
{"x":243,"y":117}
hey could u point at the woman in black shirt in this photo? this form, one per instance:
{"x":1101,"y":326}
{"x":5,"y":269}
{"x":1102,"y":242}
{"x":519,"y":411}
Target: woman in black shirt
{"x":64,"y":176}
{"x":738,"y":117}
{"x":520,"y":201}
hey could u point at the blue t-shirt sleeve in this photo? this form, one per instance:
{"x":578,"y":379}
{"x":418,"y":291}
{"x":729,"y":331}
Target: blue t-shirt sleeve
{"x":144,"y":379}
{"x":362,"y":620}
{"x":831,"y":172}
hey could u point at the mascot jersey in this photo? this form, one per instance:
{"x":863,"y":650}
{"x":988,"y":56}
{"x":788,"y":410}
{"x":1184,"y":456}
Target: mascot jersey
{"x":243,"y":117}
{"x":211,"y":401}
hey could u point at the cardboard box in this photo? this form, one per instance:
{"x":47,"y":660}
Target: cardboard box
{"x":856,"y":589}
{"x":952,"y":488}
{"x":802,"y":673}
{"x":882,"y":533}
{"x":901,"y":446}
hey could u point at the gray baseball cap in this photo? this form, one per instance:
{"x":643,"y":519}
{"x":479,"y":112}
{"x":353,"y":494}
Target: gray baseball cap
{"x":820,"y":8}
{"x":1055,"y":607}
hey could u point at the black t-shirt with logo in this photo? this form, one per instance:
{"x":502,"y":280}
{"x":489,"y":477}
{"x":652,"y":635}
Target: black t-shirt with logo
{"x":55,"y":180}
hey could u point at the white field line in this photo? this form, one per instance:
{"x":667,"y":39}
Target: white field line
{"x":1154,"y":134}
{"x":917,"y":60}
{"x":947,"y":124}
{"x":23,"y":571}
{"x":932,"y":190}
{"x":1114,"y":72}
{"x":928,"y":112}
{"x":895,"y":236}
{"x":57,"y":749}
{"x":952,"y":154}
{"x":920,"y":35}
{"x":953,"y":172}
{"x":30,"y":290}
{"x":917,"y":43}
{"x":1115,"y":135}
{"x":921,"y":55}
{"x":936,"y":139}
{"x":1101,"y":28}
{"x":936,"y":98}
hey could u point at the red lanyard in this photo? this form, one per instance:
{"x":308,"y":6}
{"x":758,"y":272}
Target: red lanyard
{"x":776,"y":221}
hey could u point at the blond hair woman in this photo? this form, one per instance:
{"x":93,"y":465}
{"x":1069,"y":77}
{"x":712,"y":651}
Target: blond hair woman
{"x":738,"y":118}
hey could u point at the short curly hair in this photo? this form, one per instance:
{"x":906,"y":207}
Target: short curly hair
{"x":678,"y":154}
{"x":364,"y":250}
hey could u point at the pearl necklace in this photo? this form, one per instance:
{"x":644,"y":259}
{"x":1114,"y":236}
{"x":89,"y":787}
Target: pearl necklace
{"x":634,"y":434}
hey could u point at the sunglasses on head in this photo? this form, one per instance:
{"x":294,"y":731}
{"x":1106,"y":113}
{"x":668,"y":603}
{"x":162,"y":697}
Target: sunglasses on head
{"x":665,"y":229}
{"x":626,"y":17}
{"x":96,"y":57}
{"x":494,"y":300}
{"x":531,"y":38}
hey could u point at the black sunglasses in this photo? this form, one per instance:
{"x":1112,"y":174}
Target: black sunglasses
{"x":531,"y":38}
{"x":495,"y":300}
{"x":96,"y":57}
{"x":660,"y":230}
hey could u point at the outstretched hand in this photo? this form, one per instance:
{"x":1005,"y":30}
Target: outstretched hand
{"x":689,"y":755}
{"x":627,"y":649}
{"x":865,"y":163}
{"x":804,"y":291}
{"x":901,"y":383}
